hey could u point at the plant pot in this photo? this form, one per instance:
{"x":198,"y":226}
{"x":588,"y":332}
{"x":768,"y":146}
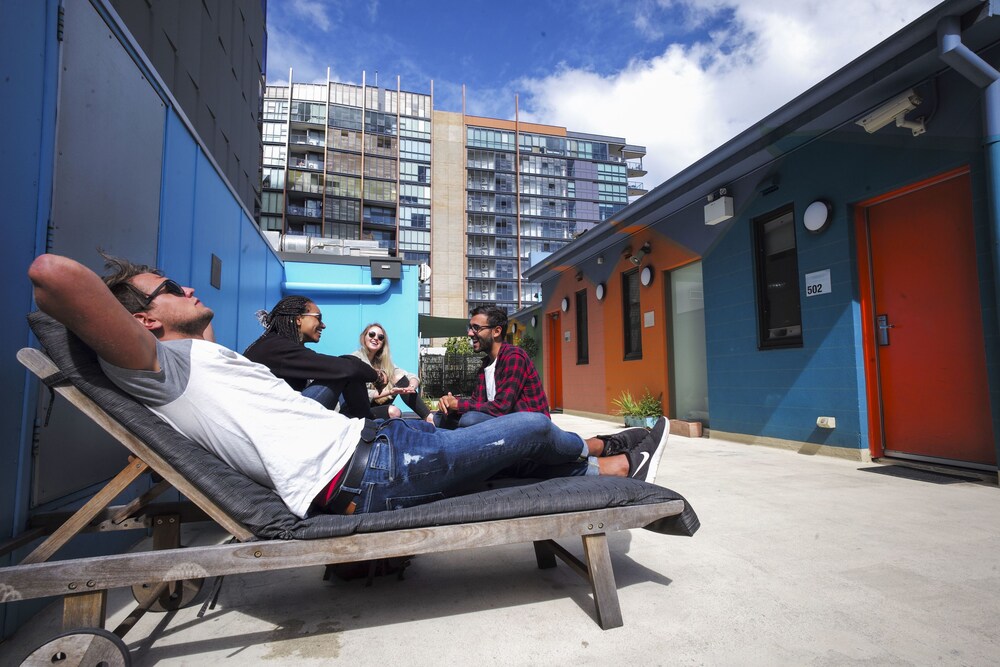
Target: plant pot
{"x":640,"y":422}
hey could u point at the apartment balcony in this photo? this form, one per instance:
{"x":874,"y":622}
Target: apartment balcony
{"x":310,"y":188}
{"x":303,"y":163}
{"x":303,"y":140}
{"x":490,"y":251}
{"x":308,"y":119}
{"x":636,"y":189}
{"x":305,"y":211}
{"x":635,"y":168}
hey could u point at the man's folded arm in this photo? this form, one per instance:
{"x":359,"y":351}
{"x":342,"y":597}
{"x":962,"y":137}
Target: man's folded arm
{"x":76,"y":296}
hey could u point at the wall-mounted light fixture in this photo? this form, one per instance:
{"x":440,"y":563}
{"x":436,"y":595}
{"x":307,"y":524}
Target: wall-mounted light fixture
{"x":579,"y":276}
{"x":600,"y":290}
{"x":895,"y":110}
{"x":719,"y":207}
{"x":534,"y":321}
{"x":565,"y":304}
{"x":817,"y":216}
{"x":646,"y":277}
{"x":513,"y":327}
{"x":643,"y":251}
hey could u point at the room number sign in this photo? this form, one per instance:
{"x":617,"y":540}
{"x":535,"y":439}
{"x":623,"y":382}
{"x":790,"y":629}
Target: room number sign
{"x":818,"y":283}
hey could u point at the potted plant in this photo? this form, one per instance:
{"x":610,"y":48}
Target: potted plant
{"x":642,"y":412}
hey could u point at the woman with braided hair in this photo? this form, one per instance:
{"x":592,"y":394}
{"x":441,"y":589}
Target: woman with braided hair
{"x":332,"y":381}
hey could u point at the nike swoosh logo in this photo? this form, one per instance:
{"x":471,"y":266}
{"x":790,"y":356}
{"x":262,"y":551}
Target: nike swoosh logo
{"x":645,"y":460}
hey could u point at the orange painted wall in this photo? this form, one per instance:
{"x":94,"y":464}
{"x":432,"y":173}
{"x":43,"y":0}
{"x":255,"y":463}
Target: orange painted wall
{"x":592,"y":387}
{"x":582,"y":384}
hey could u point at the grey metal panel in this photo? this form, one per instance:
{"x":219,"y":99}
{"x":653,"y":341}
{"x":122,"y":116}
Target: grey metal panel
{"x":109,"y":140}
{"x":110,"y":147}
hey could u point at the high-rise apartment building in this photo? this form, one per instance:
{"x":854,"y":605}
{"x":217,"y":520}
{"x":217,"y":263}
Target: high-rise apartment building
{"x":475,"y":198}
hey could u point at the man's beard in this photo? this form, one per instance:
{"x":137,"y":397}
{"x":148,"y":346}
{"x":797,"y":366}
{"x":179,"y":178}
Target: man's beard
{"x":195,"y":326}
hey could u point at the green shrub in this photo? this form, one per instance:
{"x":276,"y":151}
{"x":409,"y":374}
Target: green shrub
{"x":529,"y":345}
{"x":647,"y":406}
{"x":459,"y":345}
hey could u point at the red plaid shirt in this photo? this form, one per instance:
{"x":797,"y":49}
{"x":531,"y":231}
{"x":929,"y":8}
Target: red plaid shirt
{"x":519,"y":388}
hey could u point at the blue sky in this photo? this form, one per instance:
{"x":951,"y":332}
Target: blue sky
{"x":677,"y":76}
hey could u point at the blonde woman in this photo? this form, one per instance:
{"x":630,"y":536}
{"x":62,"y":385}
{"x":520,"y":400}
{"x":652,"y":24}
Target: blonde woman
{"x":374,"y":351}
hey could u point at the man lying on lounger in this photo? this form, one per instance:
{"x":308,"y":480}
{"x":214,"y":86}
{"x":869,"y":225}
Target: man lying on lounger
{"x":149,"y":333}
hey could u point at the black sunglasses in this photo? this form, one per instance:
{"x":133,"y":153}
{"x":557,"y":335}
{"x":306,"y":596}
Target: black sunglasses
{"x":372,"y":334}
{"x":476,"y":328}
{"x":167,"y":286}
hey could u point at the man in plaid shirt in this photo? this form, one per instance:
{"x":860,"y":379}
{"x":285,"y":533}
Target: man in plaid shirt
{"x":508,"y":381}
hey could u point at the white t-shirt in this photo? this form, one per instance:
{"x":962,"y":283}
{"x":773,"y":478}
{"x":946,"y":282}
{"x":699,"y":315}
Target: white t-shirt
{"x":243,"y":414}
{"x":491,"y":380}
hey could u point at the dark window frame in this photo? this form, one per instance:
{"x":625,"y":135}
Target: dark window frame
{"x":628,"y":279}
{"x":779,"y":301}
{"x":582,"y":335}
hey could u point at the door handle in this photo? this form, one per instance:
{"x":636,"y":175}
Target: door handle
{"x":882,"y":327}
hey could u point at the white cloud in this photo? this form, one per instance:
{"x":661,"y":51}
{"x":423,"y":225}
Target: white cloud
{"x":693,"y":98}
{"x":314,"y":11}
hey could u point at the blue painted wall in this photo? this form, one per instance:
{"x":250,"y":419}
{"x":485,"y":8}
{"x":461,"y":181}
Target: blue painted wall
{"x":27,"y":131}
{"x":779,"y":393}
{"x":346,"y":315}
{"x":199,"y":217}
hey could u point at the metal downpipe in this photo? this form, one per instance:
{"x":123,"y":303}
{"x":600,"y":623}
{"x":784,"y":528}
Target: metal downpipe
{"x":962,"y":59}
{"x":323,"y":288}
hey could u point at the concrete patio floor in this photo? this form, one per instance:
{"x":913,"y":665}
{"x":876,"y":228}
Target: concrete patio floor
{"x":801,"y":560}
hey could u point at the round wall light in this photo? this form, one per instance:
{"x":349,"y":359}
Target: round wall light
{"x":599,"y":291}
{"x":565,"y":304}
{"x":534,"y":321}
{"x":646,"y":277}
{"x":817,"y":216}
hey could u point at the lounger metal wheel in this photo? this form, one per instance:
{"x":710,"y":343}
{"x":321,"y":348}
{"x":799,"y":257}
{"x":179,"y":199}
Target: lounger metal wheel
{"x":176,"y":595}
{"x":81,"y":648}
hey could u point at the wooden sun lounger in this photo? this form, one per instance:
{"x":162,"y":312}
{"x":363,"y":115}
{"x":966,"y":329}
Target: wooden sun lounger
{"x":266,"y":535}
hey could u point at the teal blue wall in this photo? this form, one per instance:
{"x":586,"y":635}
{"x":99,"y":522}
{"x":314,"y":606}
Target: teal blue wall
{"x":779,"y":393}
{"x":346,"y":315}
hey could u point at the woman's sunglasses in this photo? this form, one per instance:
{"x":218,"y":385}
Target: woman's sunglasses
{"x":373,"y":335}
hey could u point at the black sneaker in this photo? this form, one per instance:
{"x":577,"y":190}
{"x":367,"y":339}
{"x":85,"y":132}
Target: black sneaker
{"x":644,"y":459}
{"x":623,"y":441}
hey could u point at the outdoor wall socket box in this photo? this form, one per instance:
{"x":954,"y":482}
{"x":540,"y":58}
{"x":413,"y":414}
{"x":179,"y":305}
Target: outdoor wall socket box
{"x":826,"y":422}
{"x":386,"y":268}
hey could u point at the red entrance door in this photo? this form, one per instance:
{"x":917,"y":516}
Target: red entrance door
{"x":924,"y":325}
{"x":553,"y":369}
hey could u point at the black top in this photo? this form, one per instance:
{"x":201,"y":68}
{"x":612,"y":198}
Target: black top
{"x":296,"y":364}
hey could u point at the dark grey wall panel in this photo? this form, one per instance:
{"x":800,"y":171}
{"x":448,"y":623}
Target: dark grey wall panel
{"x":210,"y":55}
{"x":110,"y":138}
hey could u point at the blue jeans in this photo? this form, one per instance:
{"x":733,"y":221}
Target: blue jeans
{"x":411,"y":464}
{"x":351,"y":396}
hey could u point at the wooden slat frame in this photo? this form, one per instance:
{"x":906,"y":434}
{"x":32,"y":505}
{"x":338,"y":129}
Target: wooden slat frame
{"x":22,"y":582}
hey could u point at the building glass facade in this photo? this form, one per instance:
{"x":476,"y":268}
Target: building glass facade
{"x":355,"y":162}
